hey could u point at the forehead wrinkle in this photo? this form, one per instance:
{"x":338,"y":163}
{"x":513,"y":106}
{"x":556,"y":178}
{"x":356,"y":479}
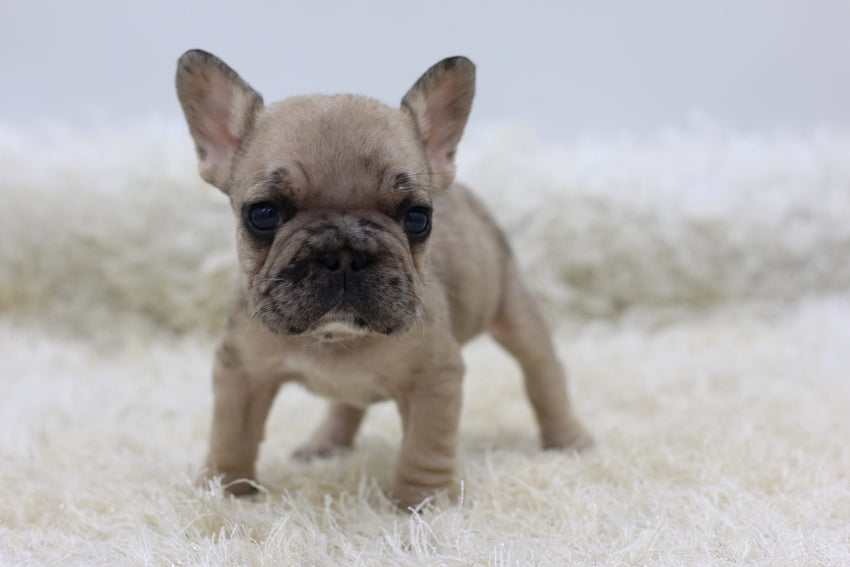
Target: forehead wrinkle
{"x":305,"y":173}
{"x":409,"y":189}
{"x":276,"y":182}
{"x":256,"y":185}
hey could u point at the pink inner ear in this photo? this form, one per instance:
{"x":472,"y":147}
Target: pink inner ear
{"x":214,"y":133}
{"x":445,"y":127}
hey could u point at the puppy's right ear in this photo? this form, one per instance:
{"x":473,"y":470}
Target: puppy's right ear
{"x":220,"y":108}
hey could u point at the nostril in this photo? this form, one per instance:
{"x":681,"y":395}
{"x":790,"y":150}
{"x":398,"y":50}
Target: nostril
{"x":345,"y":258}
{"x":360,"y":261}
{"x":331,"y":260}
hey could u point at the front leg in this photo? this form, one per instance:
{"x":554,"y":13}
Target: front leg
{"x":239,"y":415}
{"x":430,"y":413}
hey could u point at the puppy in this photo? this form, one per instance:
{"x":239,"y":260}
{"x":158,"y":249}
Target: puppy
{"x":363,"y":269}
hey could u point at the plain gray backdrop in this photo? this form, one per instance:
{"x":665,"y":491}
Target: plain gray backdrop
{"x":565,"y":68}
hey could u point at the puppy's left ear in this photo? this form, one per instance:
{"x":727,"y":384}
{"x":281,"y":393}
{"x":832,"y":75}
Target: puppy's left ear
{"x":220,"y":108}
{"x":440,"y":103}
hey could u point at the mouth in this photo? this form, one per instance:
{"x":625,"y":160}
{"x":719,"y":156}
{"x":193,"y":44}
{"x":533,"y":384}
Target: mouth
{"x":342,"y":322}
{"x":341,"y":325}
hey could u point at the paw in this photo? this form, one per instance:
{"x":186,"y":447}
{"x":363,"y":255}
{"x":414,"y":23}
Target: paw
{"x":412,"y":498}
{"x":239,"y":485}
{"x":318,"y":450}
{"x":572,"y":437}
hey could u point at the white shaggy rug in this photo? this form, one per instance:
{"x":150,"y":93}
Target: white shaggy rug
{"x":698,"y":282}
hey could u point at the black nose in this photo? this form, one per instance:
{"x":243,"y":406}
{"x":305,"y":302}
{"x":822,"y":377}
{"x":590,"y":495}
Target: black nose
{"x":346,"y":259}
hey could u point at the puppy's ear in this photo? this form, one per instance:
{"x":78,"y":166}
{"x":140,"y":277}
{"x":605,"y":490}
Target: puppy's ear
{"x":220,"y":108}
{"x":440,"y":102}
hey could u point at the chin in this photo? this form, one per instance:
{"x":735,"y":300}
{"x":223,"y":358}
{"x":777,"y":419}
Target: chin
{"x":338,"y":331}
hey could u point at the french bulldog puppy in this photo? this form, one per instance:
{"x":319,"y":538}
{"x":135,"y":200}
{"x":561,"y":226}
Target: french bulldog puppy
{"x":363,"y":269}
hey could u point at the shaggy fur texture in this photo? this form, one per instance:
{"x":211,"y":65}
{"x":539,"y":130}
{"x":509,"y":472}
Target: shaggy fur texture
{"x":699,"y":284}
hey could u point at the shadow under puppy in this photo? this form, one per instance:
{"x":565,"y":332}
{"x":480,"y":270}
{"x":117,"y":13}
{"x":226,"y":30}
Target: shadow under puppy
{"x":363,"y":269}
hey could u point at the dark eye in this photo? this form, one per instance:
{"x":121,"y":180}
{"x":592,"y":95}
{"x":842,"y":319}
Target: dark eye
{"x":263,"y":219}
{"x":417,"y":223}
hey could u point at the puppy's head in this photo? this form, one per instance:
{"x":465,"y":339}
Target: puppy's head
{"x":333,"y":194}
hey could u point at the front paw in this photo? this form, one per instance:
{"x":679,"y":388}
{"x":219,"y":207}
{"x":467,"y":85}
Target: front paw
{"x":240,"y":484}
{"x":411,"y":498}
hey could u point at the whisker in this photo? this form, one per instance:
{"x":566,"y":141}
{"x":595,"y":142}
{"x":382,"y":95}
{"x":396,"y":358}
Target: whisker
{"x":269,"y":279}
{"x":261,"y":304}
{"x":432,"y":173}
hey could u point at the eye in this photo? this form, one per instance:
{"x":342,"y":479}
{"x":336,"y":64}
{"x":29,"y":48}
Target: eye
{"x":263,"y":219}
{"x":417,"y":223}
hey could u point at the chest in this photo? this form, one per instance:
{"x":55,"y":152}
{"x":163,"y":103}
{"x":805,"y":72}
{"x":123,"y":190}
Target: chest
{"x":343,"y":379}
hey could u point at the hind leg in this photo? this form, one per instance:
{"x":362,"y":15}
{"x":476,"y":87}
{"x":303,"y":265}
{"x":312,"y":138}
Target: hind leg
{"x":337,"y":431}
{"x":520,"y":329}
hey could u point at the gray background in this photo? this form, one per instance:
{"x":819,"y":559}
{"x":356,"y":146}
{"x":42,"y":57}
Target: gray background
{"x":565,"y":68}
